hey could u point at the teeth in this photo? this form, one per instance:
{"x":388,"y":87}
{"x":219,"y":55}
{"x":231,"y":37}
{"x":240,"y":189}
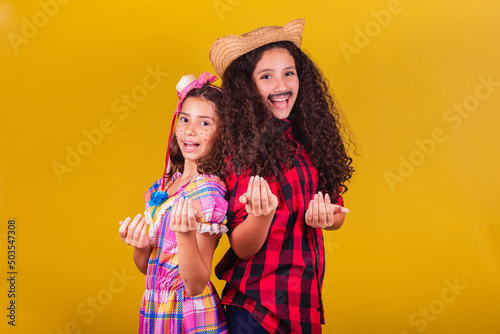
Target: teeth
{"x":279,"y":100}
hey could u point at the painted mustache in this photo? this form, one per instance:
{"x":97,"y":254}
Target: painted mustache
{"x":280,"y":95}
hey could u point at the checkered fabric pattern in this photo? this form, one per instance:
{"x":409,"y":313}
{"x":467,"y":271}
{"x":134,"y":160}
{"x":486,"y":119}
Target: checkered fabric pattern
{"x":281,"y":284}
{"x":166,"y":307}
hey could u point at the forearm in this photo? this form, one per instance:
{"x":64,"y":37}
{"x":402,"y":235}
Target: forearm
{"x":249,"y":236}
{"x":141,"y":258}
{"x":194,"y":271}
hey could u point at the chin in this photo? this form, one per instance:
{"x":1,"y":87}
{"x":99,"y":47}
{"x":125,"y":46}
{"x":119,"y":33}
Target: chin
{"x":281,"y":114}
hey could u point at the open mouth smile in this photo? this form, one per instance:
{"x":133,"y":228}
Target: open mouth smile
{"x":280,"y":101}
{"x":190,"y":146}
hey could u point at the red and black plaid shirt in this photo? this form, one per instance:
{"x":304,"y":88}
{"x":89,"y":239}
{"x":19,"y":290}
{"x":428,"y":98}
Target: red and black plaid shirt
{"x":281,"y":284}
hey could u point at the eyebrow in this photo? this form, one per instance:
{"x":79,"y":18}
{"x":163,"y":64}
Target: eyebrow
{"x":203,"y":117}
{"x":206,"y":117}
{"x":273,"y":70}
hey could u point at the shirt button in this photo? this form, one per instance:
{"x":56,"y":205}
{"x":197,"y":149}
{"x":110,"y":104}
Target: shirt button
{"x":317,"y":310}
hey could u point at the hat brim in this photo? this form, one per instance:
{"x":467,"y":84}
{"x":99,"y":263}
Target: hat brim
{"x":226,"y":49}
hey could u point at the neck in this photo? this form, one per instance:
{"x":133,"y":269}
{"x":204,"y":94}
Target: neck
{"x":190,"y":170}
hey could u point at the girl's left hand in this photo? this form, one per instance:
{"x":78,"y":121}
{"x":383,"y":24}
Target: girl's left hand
{"x":184,"y":218}
{"x":321,"y":212}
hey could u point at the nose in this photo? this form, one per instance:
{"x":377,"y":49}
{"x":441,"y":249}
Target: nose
{"x":280,"y":85}
{"x":189,"y":129}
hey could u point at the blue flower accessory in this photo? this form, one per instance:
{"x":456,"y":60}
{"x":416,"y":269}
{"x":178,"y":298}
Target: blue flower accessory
{"x":157,"y":198}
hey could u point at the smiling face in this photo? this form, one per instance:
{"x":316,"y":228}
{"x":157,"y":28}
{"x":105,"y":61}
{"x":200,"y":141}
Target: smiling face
{"x":196,"y":129}
{"x":276,"y":79}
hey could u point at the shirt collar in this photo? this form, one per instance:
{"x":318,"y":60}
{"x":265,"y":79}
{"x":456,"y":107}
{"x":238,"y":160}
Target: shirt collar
{"x":285,"y":125}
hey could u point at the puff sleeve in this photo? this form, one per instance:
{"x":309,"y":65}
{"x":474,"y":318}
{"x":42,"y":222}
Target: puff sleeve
{"x":208,"y":193}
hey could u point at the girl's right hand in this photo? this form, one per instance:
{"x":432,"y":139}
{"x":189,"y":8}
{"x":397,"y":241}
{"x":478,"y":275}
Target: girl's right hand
{"x":259,"y":200}
{"x":135,"y":233}
{"x":184,"y":218}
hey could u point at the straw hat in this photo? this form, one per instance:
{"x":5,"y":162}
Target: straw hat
{"x":185,"y":80}
{"x":228,"y":48}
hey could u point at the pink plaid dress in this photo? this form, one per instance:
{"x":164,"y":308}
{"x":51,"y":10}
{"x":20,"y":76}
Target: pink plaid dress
{"x":166,"y":307}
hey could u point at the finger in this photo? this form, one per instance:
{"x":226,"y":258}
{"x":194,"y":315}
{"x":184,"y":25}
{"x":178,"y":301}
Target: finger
{"x":328,"y":200}
{"x":339,"y":209}
{"x":123,"y":228}
{"x":315,"y":211}
{"x":191,"y":216}
{"x":321,"y":210}
{"x":138,"y":218}
{"x":197,"y":215}
{"x":172,"y":216}
{"x":309,"y":213}
{"x":243,"y":199}
{"x":178,"y":213}
{"x":131,"y":230}
{"x":250,"y":187}
{"x":256,"y":196}
{"x":273,"y":200}
{"x":143,"y":239}
{"x":184,"y":215}
{"x":264,"y":200}
{"x":137,"y":233}
{"x":329,"y":210}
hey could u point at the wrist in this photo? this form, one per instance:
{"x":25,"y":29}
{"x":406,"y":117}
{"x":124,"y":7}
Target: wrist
{"x":146,"y":249}
{"x":270,"y":214}
{"x":263,"y":218}
{"x":187,"y":234}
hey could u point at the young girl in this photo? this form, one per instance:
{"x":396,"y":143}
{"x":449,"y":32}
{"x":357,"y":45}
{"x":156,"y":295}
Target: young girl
{"x":186,"y":214}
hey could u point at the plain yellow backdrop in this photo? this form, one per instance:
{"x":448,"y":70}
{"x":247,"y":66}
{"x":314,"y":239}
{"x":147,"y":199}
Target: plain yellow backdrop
{"x":87,"y":95}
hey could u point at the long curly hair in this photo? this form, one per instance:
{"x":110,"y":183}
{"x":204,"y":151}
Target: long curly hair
{"x":213,"y":163}
{"x":254,"y":139}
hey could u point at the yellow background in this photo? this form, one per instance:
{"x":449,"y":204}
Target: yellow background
{"x":420,"y":250}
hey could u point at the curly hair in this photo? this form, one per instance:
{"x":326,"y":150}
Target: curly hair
{"x":213,"y":163}
{"x":254,"y":139}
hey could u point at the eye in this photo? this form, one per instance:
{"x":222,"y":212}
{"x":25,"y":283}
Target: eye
{"x":266,"y":76}
{"x":183,"y":119}
{"x":204,"y":123}
{"x":289,"y":74}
